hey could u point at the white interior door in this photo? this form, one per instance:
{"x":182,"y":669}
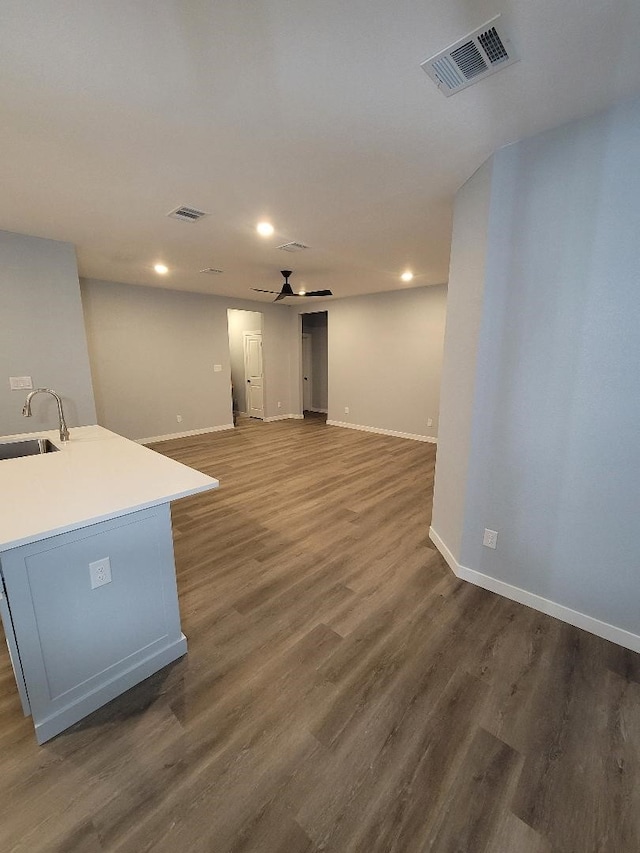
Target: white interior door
{"x":307,"y":372}
{"x":254,"y":376}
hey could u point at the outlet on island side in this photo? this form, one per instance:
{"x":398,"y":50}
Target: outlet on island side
{"x":490,"y":538}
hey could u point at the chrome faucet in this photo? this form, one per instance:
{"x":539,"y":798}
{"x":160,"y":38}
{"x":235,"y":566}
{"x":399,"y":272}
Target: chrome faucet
{"x":26,"y":410}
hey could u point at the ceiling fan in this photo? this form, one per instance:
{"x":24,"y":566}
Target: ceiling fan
{"x":287,"y":290}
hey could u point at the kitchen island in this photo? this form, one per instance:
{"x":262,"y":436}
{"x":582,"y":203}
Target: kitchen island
{"x":88,"y":599}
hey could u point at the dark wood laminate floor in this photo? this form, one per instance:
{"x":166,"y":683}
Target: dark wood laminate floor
{"x":342,"y":691}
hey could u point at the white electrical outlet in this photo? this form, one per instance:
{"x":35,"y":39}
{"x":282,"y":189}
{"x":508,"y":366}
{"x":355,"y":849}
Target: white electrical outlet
{"x":279,"y":404}
{"x":100,"y":572}
{"x":20,"y":383}
{"x":217,"y":368}
{"x":179,"y":418}
{"x":490,"y":538}
{"x":429,"y":421}
{"x":346,"y":410}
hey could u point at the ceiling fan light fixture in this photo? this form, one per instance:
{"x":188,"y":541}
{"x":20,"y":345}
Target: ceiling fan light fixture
{"x":287,"y":290}
{"x":265,"y":229}
{"x":407,"y":275}
{"x":161,"y":269}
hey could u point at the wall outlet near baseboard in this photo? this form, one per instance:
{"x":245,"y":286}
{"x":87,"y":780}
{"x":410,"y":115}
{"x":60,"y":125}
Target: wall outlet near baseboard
{"x":346,"y":410}
{"x":490,"y":538}
{"x":179,"y":418}
{"x":279,"y":404}
{"x":429,"y":421}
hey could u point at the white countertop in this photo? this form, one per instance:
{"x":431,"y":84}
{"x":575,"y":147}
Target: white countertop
{"x":94,"y":476}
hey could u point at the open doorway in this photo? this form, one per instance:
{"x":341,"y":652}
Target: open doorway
{"x":247,"y":367}
{"x":315,"y":363}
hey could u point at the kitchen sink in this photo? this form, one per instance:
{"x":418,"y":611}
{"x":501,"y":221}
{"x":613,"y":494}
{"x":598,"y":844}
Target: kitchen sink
{"x":28,"y":447}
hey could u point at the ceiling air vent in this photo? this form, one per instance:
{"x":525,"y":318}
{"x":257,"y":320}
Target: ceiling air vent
{"x":292,"y":247}
{"x":212,"y":271}
{"x":472,"y":58}
{"x":187,"y":214}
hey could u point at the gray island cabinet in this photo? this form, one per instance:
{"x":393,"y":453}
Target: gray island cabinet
{"x":88,"y":597}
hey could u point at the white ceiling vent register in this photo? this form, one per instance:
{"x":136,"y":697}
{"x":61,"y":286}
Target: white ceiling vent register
{"x":187,"y":214}
{"x":472,"y":58}
{"x":292,"y":247}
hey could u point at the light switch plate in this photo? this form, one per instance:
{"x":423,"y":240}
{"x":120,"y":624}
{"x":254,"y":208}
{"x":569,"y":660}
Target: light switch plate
{"x":20,"y":383}
{"x":217,"y":368}
{"x":100,"y":572}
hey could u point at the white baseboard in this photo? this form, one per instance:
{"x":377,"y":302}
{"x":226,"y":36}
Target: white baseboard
{"x":282,"y":418}
{"x":446,"y":553}
{"x":537,"y":602}
{"x":379,"y":431}
{"x":186,"y":434}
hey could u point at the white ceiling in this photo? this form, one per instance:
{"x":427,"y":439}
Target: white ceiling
{"x":313,"y":114}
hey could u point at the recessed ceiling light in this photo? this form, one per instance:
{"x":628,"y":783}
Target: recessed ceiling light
{"x":406,"y":276}
{"x":161,"y":269}
{"x":265,"y":229}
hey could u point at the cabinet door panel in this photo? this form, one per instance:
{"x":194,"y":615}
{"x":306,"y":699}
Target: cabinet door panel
{"x":74,"y":641}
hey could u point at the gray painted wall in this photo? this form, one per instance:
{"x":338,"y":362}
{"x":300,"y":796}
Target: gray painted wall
{"x":555,"y":453}
{"x":152,"y":356}
{"x":238,"y":323}
{"x":42,"y":333}
{"x":464,"y":312}
{"x":385,"y":359}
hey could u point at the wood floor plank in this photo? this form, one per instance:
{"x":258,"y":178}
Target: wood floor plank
{"x":485,"y":780}
{"x":343,"y":691}
{"x":512,"y":834}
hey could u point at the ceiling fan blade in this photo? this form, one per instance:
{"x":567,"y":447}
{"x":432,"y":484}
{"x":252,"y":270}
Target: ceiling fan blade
{"x":317,"y":293}
{"x":281,"y":296}
{"x":259,"y":290}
